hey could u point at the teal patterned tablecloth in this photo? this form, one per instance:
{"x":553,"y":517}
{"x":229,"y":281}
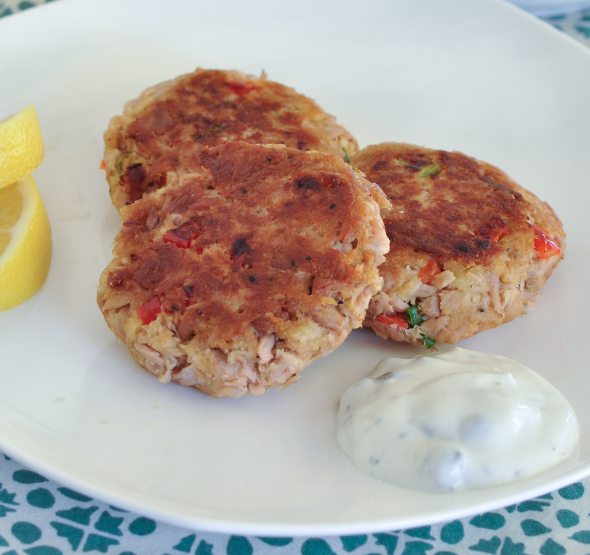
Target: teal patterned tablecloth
{"x":41,"y":517}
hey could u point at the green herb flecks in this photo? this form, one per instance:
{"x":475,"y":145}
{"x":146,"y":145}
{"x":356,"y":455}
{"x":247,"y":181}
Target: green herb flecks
{"x":120,"y":165}
{"x":430,"y":171}
{"x":346,"y":156}
{"x":215,"y":129}
{"x":197,"y":136}
{"x":429,"y":342}
{"x":400,"y":162}
{"x":413,"y":317}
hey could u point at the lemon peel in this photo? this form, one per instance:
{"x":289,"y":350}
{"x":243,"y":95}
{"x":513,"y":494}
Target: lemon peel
{"x":21,"y":145}
{"x":25,"y":242}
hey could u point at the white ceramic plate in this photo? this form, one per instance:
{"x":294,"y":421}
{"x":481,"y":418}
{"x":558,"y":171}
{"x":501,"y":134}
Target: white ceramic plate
{"x":481,"y":77}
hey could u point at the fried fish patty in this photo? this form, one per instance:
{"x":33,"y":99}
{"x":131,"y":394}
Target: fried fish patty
{"x":158,"y":138}
{"x":470,"y":249}
{"x":235,"y":280}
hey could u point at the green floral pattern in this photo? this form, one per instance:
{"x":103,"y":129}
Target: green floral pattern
{"x":8,"y":7}
{"x":576,"y":25}
{"x":40,"y":517}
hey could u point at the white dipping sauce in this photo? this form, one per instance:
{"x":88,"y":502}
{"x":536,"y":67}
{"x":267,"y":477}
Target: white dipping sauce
{"x":455,"y":421}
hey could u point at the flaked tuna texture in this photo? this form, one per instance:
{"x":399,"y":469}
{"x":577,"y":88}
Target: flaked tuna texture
{"x":157,"y":140}
{"x":470,"y":248}
{"x":237,"y":279}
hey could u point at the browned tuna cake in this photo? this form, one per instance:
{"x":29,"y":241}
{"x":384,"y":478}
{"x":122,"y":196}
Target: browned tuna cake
{"x":235,"y":280}
{"x":470,"y":249}
{"x":158,"y":138}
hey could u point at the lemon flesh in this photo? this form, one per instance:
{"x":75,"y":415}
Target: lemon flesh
{"x":21,"y":145}
{"x":25,"y":242}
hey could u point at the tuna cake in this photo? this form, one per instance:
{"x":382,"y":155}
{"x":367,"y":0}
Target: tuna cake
{"x":158,"y":138}
{"x":235,"y":280}
{"x":470,"y":249}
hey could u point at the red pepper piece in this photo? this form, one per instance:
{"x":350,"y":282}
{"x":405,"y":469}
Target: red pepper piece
{"x":544,"y":245}
{"x":172,"y":237}
{"x":393,"y":319}
{"x":177,"y":299}
{"x":499,"y":229}
{"x":103,"y":165}
{"x":149,"y":311}
{"x":493,"y":231}
{"x":497,"y":233}
{"x":428,"y":271}
{"x":240,"y":88}
{"x":183,"y":236}
{"x":154,"y":304}
{"x":239,"y":259}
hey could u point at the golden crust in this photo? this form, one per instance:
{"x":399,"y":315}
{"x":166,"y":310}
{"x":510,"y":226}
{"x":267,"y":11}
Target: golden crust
{"x":284,"y":248}
{"x":470,"y":220}
{"x":158,"y":138}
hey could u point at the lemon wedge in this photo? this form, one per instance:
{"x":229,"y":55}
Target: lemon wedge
{"x":25,"y":242}
{"x":21,"y":145}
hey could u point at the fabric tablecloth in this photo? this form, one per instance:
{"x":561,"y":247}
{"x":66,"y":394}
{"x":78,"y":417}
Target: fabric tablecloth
{"x":41,"y":517}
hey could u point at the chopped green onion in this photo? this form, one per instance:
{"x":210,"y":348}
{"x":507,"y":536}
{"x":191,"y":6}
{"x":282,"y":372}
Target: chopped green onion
{"x":430,"y":171}
{"x":346,"y":156}
{"x":399,"y":162}
{"x":429,"y":342}
{"x":412,"y":316}
{"x":119,"y":165}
